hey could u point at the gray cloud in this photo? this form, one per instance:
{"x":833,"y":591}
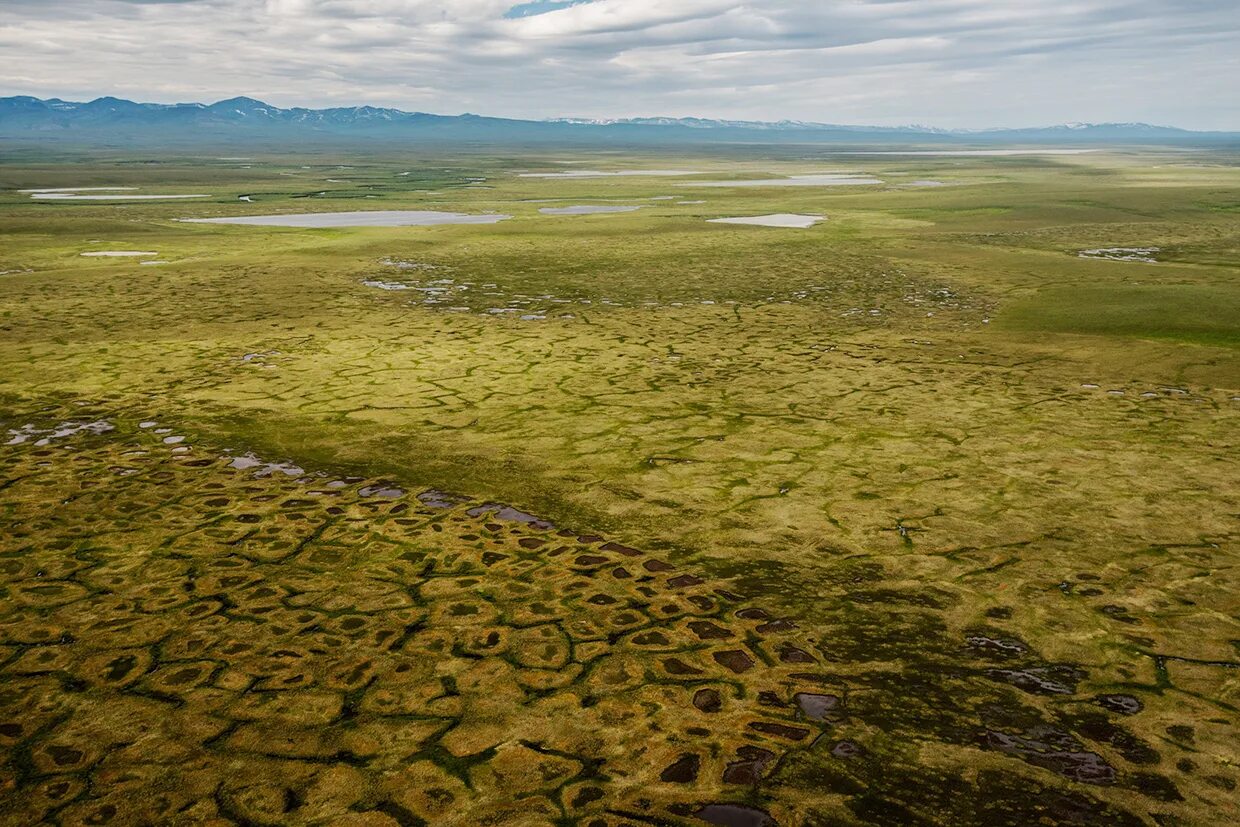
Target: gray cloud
{"x":948,"y":62}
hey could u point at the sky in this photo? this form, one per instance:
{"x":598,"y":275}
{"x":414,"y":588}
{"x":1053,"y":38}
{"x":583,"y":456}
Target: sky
{"x":949,"y":63}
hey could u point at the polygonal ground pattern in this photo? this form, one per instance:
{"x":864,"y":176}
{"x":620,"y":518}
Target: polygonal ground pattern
{"x":186,"y":641}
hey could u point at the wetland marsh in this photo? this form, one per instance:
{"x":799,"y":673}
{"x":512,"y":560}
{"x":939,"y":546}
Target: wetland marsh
{"x":926,"y":512}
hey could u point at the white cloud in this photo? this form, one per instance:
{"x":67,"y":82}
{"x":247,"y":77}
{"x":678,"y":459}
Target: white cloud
{"x":950,"y":62}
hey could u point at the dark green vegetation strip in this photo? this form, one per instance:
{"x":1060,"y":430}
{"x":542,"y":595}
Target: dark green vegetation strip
{"x":1190,"y":313}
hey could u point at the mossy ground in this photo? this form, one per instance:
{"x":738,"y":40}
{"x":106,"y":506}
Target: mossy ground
{"x":994,"y":484}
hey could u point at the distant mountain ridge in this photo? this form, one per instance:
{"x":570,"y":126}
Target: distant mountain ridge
{"x":244,"y":119}
{"x":915,"y":129}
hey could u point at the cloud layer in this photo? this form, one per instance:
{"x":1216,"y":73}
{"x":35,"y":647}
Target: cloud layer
{"x":946,"y":62}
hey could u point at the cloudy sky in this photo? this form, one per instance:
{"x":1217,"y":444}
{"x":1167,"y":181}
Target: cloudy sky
{"x":955,"y":63}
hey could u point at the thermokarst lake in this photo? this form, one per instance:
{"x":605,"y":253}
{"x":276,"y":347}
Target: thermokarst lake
{"x":826,"y":179}
{"x":578,"y":174}
{"x":101,"y":194}
{"x":786,"y":220}
{"x":586,"y":210}
{"x":373,"y":218}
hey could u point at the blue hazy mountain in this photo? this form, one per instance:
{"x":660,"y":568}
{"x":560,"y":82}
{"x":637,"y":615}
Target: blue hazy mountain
{"x":111,"y":120}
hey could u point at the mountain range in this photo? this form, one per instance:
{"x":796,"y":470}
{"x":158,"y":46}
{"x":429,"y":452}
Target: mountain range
{"x":111,"y":120}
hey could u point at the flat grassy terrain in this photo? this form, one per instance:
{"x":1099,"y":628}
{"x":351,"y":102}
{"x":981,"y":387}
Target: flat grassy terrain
{"x":916,"y":516}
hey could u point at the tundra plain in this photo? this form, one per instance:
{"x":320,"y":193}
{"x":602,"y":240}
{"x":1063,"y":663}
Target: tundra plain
{"x":927,"y":513}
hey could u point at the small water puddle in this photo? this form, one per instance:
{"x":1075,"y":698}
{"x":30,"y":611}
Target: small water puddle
{"x":817,"y":707}
{"x":381,"y":490}
{"x":507,"y":512}
{"x":263,"y":468}
{"x":46,"y":436}
{"x":441,"y":499}
{"x":735,"y":815}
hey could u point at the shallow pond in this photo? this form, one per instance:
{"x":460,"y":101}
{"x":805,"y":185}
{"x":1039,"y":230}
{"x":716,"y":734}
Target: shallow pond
{"x":79,"y":189}
{"x":826,"y":179}
{"x":585,"y":210}
{"x":786,"y":220}
{"x":623,"y":173}
{"x":368,"y":218}
{"x":72,"y":195}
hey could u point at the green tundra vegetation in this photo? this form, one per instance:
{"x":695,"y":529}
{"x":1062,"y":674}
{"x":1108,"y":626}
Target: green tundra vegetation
{"x":928,"y":514}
